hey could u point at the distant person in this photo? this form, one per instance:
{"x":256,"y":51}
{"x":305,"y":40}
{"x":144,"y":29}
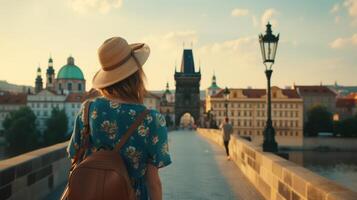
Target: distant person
{"x":121,"y":84}
{"x":227,"y":129}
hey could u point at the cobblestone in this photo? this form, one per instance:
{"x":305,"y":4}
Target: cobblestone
{"x":199,"y":171}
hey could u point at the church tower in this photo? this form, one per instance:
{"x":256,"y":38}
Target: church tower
{"x":50,"y":76}
{"x":187,"y":94}
{"x":213,"y":89}
{"x":38,"y":82}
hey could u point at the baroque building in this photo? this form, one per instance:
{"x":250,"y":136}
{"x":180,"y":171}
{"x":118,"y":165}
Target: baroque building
{"x":66,"y":92}
{"x":247,"y":113}
{"x":70,"y":78}
{"x":213,"y":89}
{"x":187,"y":94}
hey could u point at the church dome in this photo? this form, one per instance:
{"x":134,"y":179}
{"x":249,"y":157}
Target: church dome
{"x":70,"y":71}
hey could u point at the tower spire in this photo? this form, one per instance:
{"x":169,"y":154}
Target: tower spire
{"x":50,"y":74}
{"x":38,"y":81}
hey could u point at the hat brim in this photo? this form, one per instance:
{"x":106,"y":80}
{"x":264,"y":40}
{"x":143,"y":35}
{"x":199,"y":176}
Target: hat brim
{"x":104,"y":79}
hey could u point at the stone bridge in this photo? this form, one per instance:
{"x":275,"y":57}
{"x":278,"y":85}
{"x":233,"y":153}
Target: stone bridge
{"x":199,"y":171}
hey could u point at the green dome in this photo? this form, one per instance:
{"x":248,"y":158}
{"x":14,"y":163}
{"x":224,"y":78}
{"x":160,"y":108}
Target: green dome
{"x":70,"y":71}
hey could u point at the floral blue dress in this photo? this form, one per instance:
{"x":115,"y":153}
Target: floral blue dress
{"x":109,"y":121}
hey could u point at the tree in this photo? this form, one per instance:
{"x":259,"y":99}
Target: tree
{"x":56,"y":127}
{"x":319,"y":119}
{"x":347,"y":127}
{"x":20,"y":130}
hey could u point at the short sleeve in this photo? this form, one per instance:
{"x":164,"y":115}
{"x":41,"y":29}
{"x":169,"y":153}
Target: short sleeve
{"x":158,"y":147}
{"x":75,"y":141}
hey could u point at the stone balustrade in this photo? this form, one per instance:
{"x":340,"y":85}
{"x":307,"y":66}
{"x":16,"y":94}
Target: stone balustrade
{"x":277,"y":178}
{"x":35,"y":174}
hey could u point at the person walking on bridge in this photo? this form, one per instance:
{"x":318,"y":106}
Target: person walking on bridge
{"x":119,"y":124}
{"x":227,"y":129}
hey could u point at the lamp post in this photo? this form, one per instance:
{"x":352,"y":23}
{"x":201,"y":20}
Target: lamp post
{"x":226,"y":93}
{"x":268,"y":46}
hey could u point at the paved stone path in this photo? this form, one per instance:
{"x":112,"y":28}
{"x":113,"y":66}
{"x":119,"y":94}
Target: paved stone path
{"x":199,"y":171}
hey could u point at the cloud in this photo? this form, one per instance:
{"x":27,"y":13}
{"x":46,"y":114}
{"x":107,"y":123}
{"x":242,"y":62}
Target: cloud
{"x":229,"y":58}
{"x":344,"y":42}
{"x":269,"y":15}
{"x":335,"y":8}
{"x":101,"y":6}
{"x":165,"y":53}
{"x":237,"y":12}
{"x":351,"y":6}
{"x":246,"y":48}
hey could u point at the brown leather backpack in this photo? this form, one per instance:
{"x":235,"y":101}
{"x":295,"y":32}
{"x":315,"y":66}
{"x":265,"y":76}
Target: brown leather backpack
{"x":103,"y":174}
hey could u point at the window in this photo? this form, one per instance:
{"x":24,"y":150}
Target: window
{"x":79,"y":87}
{"x":69,"y":86}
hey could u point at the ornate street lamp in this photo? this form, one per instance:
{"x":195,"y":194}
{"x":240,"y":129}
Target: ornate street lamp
{"x":226,"y":93}
{"x":268,"y":46}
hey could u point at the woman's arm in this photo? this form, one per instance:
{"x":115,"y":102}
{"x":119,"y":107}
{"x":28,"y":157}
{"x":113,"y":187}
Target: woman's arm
{"x":154,"y":182}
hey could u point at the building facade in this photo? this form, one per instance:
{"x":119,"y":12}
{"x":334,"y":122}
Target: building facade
{"x":10,"y":101}
{"x":314,"y":95}
{"x":42,"y":104}
{"x":152,"y":101}
{"x":66,"y":92}
{"x":167,"y":105}
{"x":247,"y":113}
{"x":187,"y":93}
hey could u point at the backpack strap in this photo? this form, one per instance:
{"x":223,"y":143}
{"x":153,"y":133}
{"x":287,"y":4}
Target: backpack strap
{"x":84,"y":133}
{"x":131,"y":130}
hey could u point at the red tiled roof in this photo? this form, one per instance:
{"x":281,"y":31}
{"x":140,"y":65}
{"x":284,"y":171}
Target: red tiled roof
{"x":291,"y":93}
{"x":13,"y":98}
{"x":258,"y":93}
{"x":315,"y":89}
{"x":75,"y":97}
{"x":254,"y":93}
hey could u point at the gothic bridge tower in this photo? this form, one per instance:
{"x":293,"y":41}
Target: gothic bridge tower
{"x":187,"y":94}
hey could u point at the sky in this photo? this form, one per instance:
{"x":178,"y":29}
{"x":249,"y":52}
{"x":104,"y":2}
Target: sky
{"x":318,"y":39}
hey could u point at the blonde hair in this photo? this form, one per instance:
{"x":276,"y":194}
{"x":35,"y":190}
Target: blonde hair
{"x":131,"y":89}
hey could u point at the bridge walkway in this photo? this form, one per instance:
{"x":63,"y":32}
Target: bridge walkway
{"x":199,"y":170}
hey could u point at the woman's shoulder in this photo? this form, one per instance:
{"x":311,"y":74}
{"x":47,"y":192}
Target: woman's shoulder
{"x":157,"y":117}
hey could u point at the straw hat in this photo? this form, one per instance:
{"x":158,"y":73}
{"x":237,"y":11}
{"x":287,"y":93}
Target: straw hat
{"x":118,"y":61}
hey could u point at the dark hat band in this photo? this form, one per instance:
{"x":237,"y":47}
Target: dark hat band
{"x":125,"y":59}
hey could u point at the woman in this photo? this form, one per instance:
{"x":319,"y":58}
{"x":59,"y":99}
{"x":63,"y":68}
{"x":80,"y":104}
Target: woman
{"x":121,"y":83}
